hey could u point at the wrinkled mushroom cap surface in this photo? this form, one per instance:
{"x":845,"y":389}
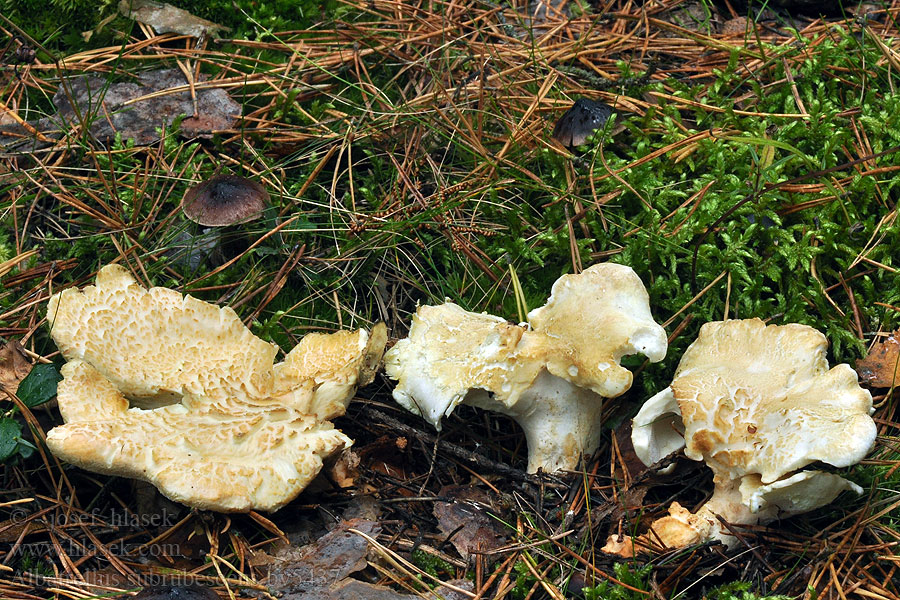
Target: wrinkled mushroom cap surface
{"x":756,"y":403}
{"x":224,"y":200}
{"x":449,"y":351}
{"x":230,"y":458}
{"x":602,"y":314}
{"x":551,"y":378}
{"x":156,"y":343}
{"x":230,"y":431}
{"x":761,"y":399}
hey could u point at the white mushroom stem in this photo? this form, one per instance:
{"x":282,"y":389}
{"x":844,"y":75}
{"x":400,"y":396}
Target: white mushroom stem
{"x":550,"y":375}
{"x":560,"y":420}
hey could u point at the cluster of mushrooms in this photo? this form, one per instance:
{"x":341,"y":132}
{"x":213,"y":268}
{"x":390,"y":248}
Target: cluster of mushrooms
{"x":178,"y":392}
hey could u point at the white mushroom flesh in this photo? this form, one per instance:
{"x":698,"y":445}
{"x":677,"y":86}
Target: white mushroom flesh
{"x":551,"y":378}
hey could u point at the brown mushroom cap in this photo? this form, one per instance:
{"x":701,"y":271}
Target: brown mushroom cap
{"x":224,"y":200}
{"x":582,"y":120}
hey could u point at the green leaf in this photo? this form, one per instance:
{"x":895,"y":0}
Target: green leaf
{"x":10,"y":435}
{"x":39,"y":385}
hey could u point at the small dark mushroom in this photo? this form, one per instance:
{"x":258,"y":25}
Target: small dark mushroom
{"x":580,"y":121}
{"x":224,"y":200}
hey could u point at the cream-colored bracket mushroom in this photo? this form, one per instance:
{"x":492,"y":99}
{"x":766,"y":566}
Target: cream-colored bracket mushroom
{"x":550,"y":375}
{"x":757,"y":403}
{"x":172,"y":390}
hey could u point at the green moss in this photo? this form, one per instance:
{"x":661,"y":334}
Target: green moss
{"x":634,"y":578}
{"x":431,"y":564}
{"x":740,"y":590}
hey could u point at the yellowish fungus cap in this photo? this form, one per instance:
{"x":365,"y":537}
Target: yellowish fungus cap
{"x":178,"y":392}
{"x":550,"y":375}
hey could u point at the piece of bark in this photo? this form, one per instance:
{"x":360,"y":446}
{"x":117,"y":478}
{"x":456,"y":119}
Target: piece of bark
{"x":466,"y":521}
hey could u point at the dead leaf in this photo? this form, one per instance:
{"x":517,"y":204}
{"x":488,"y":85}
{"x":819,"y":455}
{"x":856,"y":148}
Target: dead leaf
{"x":7,"y":117}
{"x":108,"y":577}
{"x":736,"y":26}
{"x":321,"y":570}
{"x":344,"y":471}
{"x":631,"y":502}
{"x":351,"y":589}
{"x":165,"y":18}
{"x":362,"y":507}
{"x":327,"y":561}
{"x":467,"y":520}
{"x":134,"y":111}
{"x":14,"y":366}
{"x":880,"y":368}
{"x":12,"y":530}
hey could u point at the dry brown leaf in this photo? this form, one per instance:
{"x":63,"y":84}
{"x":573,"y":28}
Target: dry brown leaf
{"x":14,"y":366}
{"x":466,"y":519}
{"x":880,"y":368}
{"x":362,"y":507}
{"x":344,"y":471}
{"x":736,"y":26}
{"x":324,"y":563}
{"x":321,"y":570}
{"x":132,"y":110}
{"x":107,"y":577}
{"x":165,"y":18}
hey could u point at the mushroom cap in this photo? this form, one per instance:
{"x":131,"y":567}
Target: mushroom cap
{"x":319,"y":376}
{"x":801,"y":492}
{"x":156,"y":345}
{"x":756,"y":403}
{"x":450,"y":351}
{"x":222,"y":428}
{"x":761,"y":399}
{"x":580,"y":121}
{"x":603,"y":314}
{"x":551,"y":378}
{"x":657,"y":430}
{"x":224,"y":200}
{"x":226,"y":456}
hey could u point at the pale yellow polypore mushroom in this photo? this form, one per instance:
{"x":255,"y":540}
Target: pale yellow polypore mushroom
{"x":756,"y":403}
{"x":178,"y":392}
{"x":550,"y":375}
